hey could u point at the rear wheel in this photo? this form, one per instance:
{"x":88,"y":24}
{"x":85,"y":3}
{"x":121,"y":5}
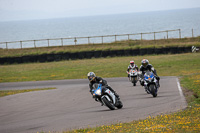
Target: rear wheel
{"x":108,"y":103}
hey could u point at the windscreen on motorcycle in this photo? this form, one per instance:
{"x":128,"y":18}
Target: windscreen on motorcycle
{"x":95,"y":85}
{"x":148,"y":75}
{"x":97,"y":89}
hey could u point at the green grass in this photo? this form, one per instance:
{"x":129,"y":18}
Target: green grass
{"x":12,"y":92}
{"x":131,"y":44}
{"x":166,"y":65}
{"x":191,"y":86}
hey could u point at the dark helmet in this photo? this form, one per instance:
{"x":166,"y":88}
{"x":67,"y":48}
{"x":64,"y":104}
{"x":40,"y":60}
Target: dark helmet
{"x":91,"y":76}
{"x":145,"y":63}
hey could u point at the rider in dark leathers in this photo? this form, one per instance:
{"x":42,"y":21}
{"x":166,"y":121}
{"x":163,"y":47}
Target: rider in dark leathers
{"x":145,"y":67}
{"x":94,"y":79}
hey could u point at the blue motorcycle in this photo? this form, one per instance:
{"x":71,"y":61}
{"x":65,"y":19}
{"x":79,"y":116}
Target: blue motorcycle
{"x":151,"y":83}
{"x":104,"y":95}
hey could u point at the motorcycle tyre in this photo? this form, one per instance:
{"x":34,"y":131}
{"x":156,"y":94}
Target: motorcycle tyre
{"x":108,"y":104}
{"x":133,"y":80}
{"x":152,"y":90}
{"x":120,"y":105}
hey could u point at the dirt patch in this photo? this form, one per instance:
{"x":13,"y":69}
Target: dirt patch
{"x":189,"y":94}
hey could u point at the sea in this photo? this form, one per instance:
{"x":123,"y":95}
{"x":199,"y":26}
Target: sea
{"x":70,"y":29}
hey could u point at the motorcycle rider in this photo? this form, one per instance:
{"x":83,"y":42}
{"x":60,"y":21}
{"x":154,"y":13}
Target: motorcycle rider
{"x":146,"y":66}
{"x":131,"y":66}
{"x":94,"y":79}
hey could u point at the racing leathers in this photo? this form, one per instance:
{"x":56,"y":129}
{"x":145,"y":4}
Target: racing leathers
{"x":131,"y":67}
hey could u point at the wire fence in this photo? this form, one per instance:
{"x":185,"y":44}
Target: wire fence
{"x":90,"y":39}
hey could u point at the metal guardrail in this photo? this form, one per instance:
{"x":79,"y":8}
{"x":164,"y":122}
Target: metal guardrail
{"x":75,"y":39}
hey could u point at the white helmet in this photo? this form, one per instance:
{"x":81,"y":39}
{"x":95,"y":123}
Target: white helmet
{"x":132,"y":62}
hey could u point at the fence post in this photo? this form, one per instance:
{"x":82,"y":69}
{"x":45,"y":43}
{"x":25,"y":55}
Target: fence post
{"x":167,"y":34}
{"x":192,"y":33}
{"x":179,"y":33}
{"x":128,"y":37}
{"x":115,"y":38}
{"x":102,"y":39}
{"x":48,"y":42}
{"x":154,"y":36}
{"x":75,"y":40}
{"x":88,"y":40}
{"x":34,"y":44}
{"x":6,"y":45}
{"x":21,"y":44}
{"x":141,"y":36}
{"x":61,"y":41}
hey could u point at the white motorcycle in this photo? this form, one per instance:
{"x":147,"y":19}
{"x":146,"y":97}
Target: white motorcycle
{"x":105,"y":96}
{"x":133,"y":76}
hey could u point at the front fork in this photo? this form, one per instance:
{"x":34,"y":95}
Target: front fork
{"x":132,"y":78}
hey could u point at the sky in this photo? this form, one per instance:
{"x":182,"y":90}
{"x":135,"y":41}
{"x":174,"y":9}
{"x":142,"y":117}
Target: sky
{"x":44,"y":9}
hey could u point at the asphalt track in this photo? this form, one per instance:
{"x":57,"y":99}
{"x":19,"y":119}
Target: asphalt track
{"x":72,"y":106}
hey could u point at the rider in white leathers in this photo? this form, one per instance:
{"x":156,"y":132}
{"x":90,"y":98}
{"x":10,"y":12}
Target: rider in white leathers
{"x":131,"y":66}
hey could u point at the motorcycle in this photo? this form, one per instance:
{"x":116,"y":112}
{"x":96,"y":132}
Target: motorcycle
{"x":151,"y":83}
{"x":106,"y":97}
{"x":133,"y":75}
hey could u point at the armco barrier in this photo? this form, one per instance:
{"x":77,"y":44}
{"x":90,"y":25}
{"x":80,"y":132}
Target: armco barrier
{"x":93,"y":54}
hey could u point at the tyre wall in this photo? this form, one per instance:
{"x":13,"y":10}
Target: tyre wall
{"x":93,"y":54}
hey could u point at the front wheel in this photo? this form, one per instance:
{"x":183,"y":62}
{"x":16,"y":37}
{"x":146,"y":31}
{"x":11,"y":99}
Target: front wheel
{"x":134,"y":80}
{"x":153,"y":90}
{"x":108,"y":103}
{"x":120,"y":105}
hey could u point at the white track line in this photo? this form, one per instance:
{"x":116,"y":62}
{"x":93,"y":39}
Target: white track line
{"x":179,"y":88}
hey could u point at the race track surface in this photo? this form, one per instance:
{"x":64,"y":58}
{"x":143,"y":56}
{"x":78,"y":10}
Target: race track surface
{"x":72,"y":106}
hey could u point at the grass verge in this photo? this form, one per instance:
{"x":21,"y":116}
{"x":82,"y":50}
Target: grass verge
{"x":166,"y":65}
{"x":12,"y":92}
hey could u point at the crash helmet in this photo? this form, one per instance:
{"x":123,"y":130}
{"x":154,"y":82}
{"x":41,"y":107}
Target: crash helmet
{"x":145,"y":63}
{"x":132,"y":63}
{"x":91,"y":76}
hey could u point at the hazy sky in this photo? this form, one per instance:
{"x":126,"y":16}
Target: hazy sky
{"x":42,"y":9}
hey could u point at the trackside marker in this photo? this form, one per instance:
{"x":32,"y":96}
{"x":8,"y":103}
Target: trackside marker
{"x":179,"y":88}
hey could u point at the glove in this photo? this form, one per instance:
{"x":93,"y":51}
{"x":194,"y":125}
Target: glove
{"x":158,"y":78}
{"x":92,"y":91}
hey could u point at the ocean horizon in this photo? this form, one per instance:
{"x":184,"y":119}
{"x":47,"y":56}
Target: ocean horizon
{"x":129,"y":23}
